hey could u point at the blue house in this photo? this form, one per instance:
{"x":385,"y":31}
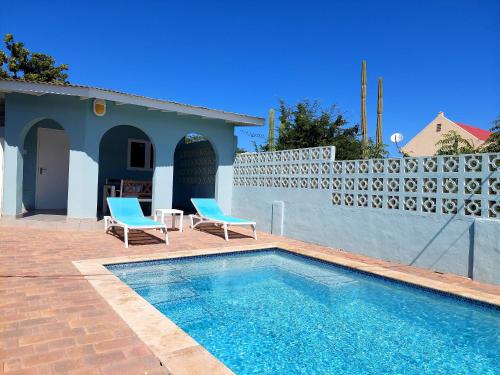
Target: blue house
{"x":66,"y":147}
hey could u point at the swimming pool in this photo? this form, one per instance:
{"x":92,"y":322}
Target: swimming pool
{"x":274,"y":312}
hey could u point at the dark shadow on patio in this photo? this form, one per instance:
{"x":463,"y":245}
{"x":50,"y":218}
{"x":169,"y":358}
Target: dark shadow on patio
{"x":137,"y":237}
{"x":218,"y":231}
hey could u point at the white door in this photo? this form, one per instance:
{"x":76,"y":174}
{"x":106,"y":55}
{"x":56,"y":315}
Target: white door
{"x":52,"y":169}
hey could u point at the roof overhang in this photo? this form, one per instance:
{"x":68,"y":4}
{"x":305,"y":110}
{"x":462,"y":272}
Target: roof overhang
{"x":85,"y":92}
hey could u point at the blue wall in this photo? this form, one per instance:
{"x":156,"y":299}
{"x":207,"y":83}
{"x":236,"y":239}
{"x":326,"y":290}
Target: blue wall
{"x":446,"y":243}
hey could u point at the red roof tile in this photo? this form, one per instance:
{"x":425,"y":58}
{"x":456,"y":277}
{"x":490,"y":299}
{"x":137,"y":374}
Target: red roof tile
{"x":476,"y":132}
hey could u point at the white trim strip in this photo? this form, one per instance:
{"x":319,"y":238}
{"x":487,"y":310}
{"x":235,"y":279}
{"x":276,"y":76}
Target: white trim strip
{"x":123,"y":98}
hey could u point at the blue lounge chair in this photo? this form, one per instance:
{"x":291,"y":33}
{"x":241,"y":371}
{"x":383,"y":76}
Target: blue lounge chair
{"x":127,"y":213}
{"x":210,"y":212}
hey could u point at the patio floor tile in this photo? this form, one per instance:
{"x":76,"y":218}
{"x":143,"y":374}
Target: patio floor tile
{"x":52,"y":321}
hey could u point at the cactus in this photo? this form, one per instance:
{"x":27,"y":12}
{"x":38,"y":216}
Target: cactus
{"x":271,"y":130}
{"x":379,"y":112}
{"x":364,"y":125}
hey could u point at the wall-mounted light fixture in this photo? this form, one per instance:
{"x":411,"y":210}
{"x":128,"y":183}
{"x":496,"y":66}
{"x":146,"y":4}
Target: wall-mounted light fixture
{"x":99,"y":107}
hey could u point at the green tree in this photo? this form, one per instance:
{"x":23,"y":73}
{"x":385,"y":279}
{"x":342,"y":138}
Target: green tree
{"x":375,"y":150}
{"x":260,"y":147}
{"x":3,"y":61}
{"x":453,"y":143}
{"x":17,"y":62}
{"x":492,"y":144}
{"x":193,"y":138}
{"x":306,"y":124}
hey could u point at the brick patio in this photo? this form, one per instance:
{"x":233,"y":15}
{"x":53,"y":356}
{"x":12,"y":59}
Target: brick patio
{"x":52,"y":321}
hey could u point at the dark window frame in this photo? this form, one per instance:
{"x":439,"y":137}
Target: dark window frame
{"x":148,"y":162}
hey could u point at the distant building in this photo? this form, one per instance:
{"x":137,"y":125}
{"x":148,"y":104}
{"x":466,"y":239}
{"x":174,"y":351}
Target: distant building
{"x":424,"y":143}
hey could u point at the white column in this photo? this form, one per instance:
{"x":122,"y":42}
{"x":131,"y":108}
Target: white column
{"x":13,"y":181}
{"x":82,"y":186}
{"x":163,"y":177}
{"x":163,"y":180}
{"x":224,"y":187}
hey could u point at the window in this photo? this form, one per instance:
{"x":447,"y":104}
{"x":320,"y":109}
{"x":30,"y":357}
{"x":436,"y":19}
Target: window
{"x":438,"y":127}
{"x":151,"y":157}
{"x":140,"y":155}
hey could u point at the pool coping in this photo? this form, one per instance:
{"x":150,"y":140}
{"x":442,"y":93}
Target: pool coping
{"x":178,"y":351}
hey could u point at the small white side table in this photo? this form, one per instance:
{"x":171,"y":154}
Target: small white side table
{"x":161,"y":212}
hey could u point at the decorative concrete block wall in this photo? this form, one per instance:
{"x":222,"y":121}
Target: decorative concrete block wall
{"x":422,"y":211}
{"x":196,"y":164}
{"x":195,"y":167}
{"x":466,"y":184}
{"x":301,"y":168}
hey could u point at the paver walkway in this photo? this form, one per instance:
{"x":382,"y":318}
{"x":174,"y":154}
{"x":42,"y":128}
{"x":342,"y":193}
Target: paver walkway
{"x":52,"y":321}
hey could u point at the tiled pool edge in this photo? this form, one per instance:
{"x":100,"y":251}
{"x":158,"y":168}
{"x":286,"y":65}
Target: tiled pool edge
{"x":176,"y":350}
{"x":398,"y":276}
{"x":180,"y":353}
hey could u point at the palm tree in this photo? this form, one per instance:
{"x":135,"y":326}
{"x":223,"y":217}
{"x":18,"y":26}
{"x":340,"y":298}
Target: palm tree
{"x":453,"y":143}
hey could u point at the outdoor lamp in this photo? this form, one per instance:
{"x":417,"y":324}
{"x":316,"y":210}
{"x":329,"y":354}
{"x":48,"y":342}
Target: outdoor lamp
{"x":99,"y":107}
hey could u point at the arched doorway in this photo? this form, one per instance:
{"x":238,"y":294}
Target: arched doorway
{"x":45,"y":168}
{"x":195,"y":168}
{"x":126,"y":166}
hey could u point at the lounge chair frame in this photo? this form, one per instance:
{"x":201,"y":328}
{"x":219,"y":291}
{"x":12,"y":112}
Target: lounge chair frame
{"x":201,"y":219}
{"x":111,"y":222}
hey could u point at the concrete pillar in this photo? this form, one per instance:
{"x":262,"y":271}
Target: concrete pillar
{"x":484,"y":262}
{"x":83,"y":170}
{"x":82,"y":186}
{"x":12,"y":194}
{"x":224,"y":178}
{"x":13,"y":181}
{"x":163,"y":180}
{"x":163,"y":177}
{"x":278,"y":217}
{"x":224,"y":187}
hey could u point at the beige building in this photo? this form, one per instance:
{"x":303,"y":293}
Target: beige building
{"x":424,"y":143}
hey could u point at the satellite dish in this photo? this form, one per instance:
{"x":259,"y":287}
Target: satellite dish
{"x":396,"y":137}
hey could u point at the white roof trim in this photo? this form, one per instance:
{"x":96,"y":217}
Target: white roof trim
{"x":36,"y":88}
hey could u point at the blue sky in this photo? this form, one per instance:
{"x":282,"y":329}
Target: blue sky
{"x":244,"y":56}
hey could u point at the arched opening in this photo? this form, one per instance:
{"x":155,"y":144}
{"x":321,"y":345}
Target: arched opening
{"x":45,"y":168}
{"x":126,"y":166}
{"x":195,"y":168}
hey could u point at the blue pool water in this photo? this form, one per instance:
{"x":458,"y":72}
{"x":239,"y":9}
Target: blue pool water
{"x":273,"y":312}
